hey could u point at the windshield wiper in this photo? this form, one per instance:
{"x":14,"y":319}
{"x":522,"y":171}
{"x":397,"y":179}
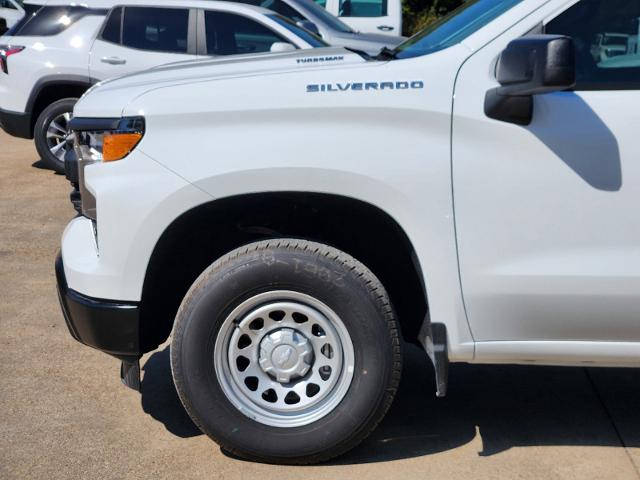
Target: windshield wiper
{"x":362,"y":53}
{"x":386,"y":54}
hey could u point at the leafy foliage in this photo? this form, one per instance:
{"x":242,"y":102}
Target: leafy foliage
{"x":420,"y":13}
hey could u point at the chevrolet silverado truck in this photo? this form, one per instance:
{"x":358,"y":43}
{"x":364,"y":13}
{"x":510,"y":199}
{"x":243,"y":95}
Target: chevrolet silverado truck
{"x":291,"y":221}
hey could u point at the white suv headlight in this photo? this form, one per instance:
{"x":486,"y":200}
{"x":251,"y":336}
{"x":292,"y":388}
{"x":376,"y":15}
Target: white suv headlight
{"x":99,"y":140}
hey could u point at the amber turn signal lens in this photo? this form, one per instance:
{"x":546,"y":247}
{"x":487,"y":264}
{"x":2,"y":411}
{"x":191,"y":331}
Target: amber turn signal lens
{"x":116,"y":146}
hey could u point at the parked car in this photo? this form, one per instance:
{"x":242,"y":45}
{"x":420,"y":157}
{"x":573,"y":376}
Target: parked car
{"x":369,"y":16}
{"x":608,"y":45}
{"x":628,"y":57}
{"x":311,"y":16}
{"x":54,"y":55}
{"x":291,"y":220}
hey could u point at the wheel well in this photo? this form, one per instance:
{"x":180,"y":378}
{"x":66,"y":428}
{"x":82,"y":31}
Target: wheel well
{"x":201,"y":236}
{"x":52,"y":92}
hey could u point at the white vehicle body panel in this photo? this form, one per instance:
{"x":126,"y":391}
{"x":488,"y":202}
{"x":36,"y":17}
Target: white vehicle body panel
{"x":548,"y":246}
{"x":536,"y":232}
{"x":116,"y":94}
{"x":110,"y":60}
{"x":85,"y":258}
{"x":566,"y":353}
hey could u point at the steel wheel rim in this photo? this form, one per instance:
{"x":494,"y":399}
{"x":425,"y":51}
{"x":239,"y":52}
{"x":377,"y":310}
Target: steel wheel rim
{"x":285,"y":372}
{"x":59,"y":139}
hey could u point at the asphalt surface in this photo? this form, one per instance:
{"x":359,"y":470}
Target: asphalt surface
{"x":64,"y":413}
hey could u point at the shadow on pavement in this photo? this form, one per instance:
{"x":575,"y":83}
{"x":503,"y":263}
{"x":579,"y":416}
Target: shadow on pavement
{"x":160,"y":399}
{"x":508,"y":406}
{"x":39,"y":164}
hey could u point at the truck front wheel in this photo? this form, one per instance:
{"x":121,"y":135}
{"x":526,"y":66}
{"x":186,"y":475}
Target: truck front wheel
{"x":286,"y":351}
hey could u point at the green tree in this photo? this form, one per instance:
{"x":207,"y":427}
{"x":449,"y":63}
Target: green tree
{"x":420,"y":13}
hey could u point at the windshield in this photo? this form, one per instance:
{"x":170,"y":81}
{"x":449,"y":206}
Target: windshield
{"x":306,"y":35}
{"x":454,"y":28}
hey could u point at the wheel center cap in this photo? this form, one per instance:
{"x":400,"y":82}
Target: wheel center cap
{"x":285,"y":354}
{"x":284,"y":357}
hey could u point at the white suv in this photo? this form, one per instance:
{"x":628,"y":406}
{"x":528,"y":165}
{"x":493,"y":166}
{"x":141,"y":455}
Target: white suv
{"x":290,"y":220}
{"x":51,"y":57}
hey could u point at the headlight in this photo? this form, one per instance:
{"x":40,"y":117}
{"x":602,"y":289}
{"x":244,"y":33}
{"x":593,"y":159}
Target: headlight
{"x":100,"y":140}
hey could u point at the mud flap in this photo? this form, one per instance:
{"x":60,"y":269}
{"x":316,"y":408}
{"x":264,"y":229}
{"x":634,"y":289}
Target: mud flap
{"x":433,"y":337}
{"x":130,"y":374}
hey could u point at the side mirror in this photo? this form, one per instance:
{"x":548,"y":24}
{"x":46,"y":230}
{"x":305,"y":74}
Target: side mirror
{"x":280,"y":47}
{"x":307,"y":25}
{"x":530,"y":66}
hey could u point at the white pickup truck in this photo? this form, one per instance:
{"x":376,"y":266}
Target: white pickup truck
{"x":369,"y":16}
{"x":294,"y":219}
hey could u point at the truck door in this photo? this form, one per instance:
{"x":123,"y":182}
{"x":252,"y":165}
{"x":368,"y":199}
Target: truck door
{"x":547,"y":218}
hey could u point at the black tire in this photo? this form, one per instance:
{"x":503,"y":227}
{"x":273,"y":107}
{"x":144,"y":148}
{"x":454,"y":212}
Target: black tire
{"x":53,"y":111}
{"x":324,"y":273}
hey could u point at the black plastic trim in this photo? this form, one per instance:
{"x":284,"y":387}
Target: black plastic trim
{"x":81,"y":124}
{"x":517,"y":110}
{"x":112,"y":12}
{"x":109,"y":326}
{"x":433,"y":337}
{"x":15,"y":123}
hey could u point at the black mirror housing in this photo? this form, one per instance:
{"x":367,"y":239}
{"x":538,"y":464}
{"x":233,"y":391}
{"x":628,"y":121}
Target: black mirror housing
{"x":537,"y":64}
{"x":530,"y":65}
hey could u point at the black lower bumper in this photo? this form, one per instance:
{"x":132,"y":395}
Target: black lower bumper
{"x":109,"y":326}
{"x":16,"y":124}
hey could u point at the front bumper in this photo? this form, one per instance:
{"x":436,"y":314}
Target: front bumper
{"x":16,"y":124}
{"x":110,"y":326}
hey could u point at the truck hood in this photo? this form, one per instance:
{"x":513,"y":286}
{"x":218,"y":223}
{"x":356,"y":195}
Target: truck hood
{"x":109,"y":98}
{"x":371,"y":43}
{"x":389,"y":41}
